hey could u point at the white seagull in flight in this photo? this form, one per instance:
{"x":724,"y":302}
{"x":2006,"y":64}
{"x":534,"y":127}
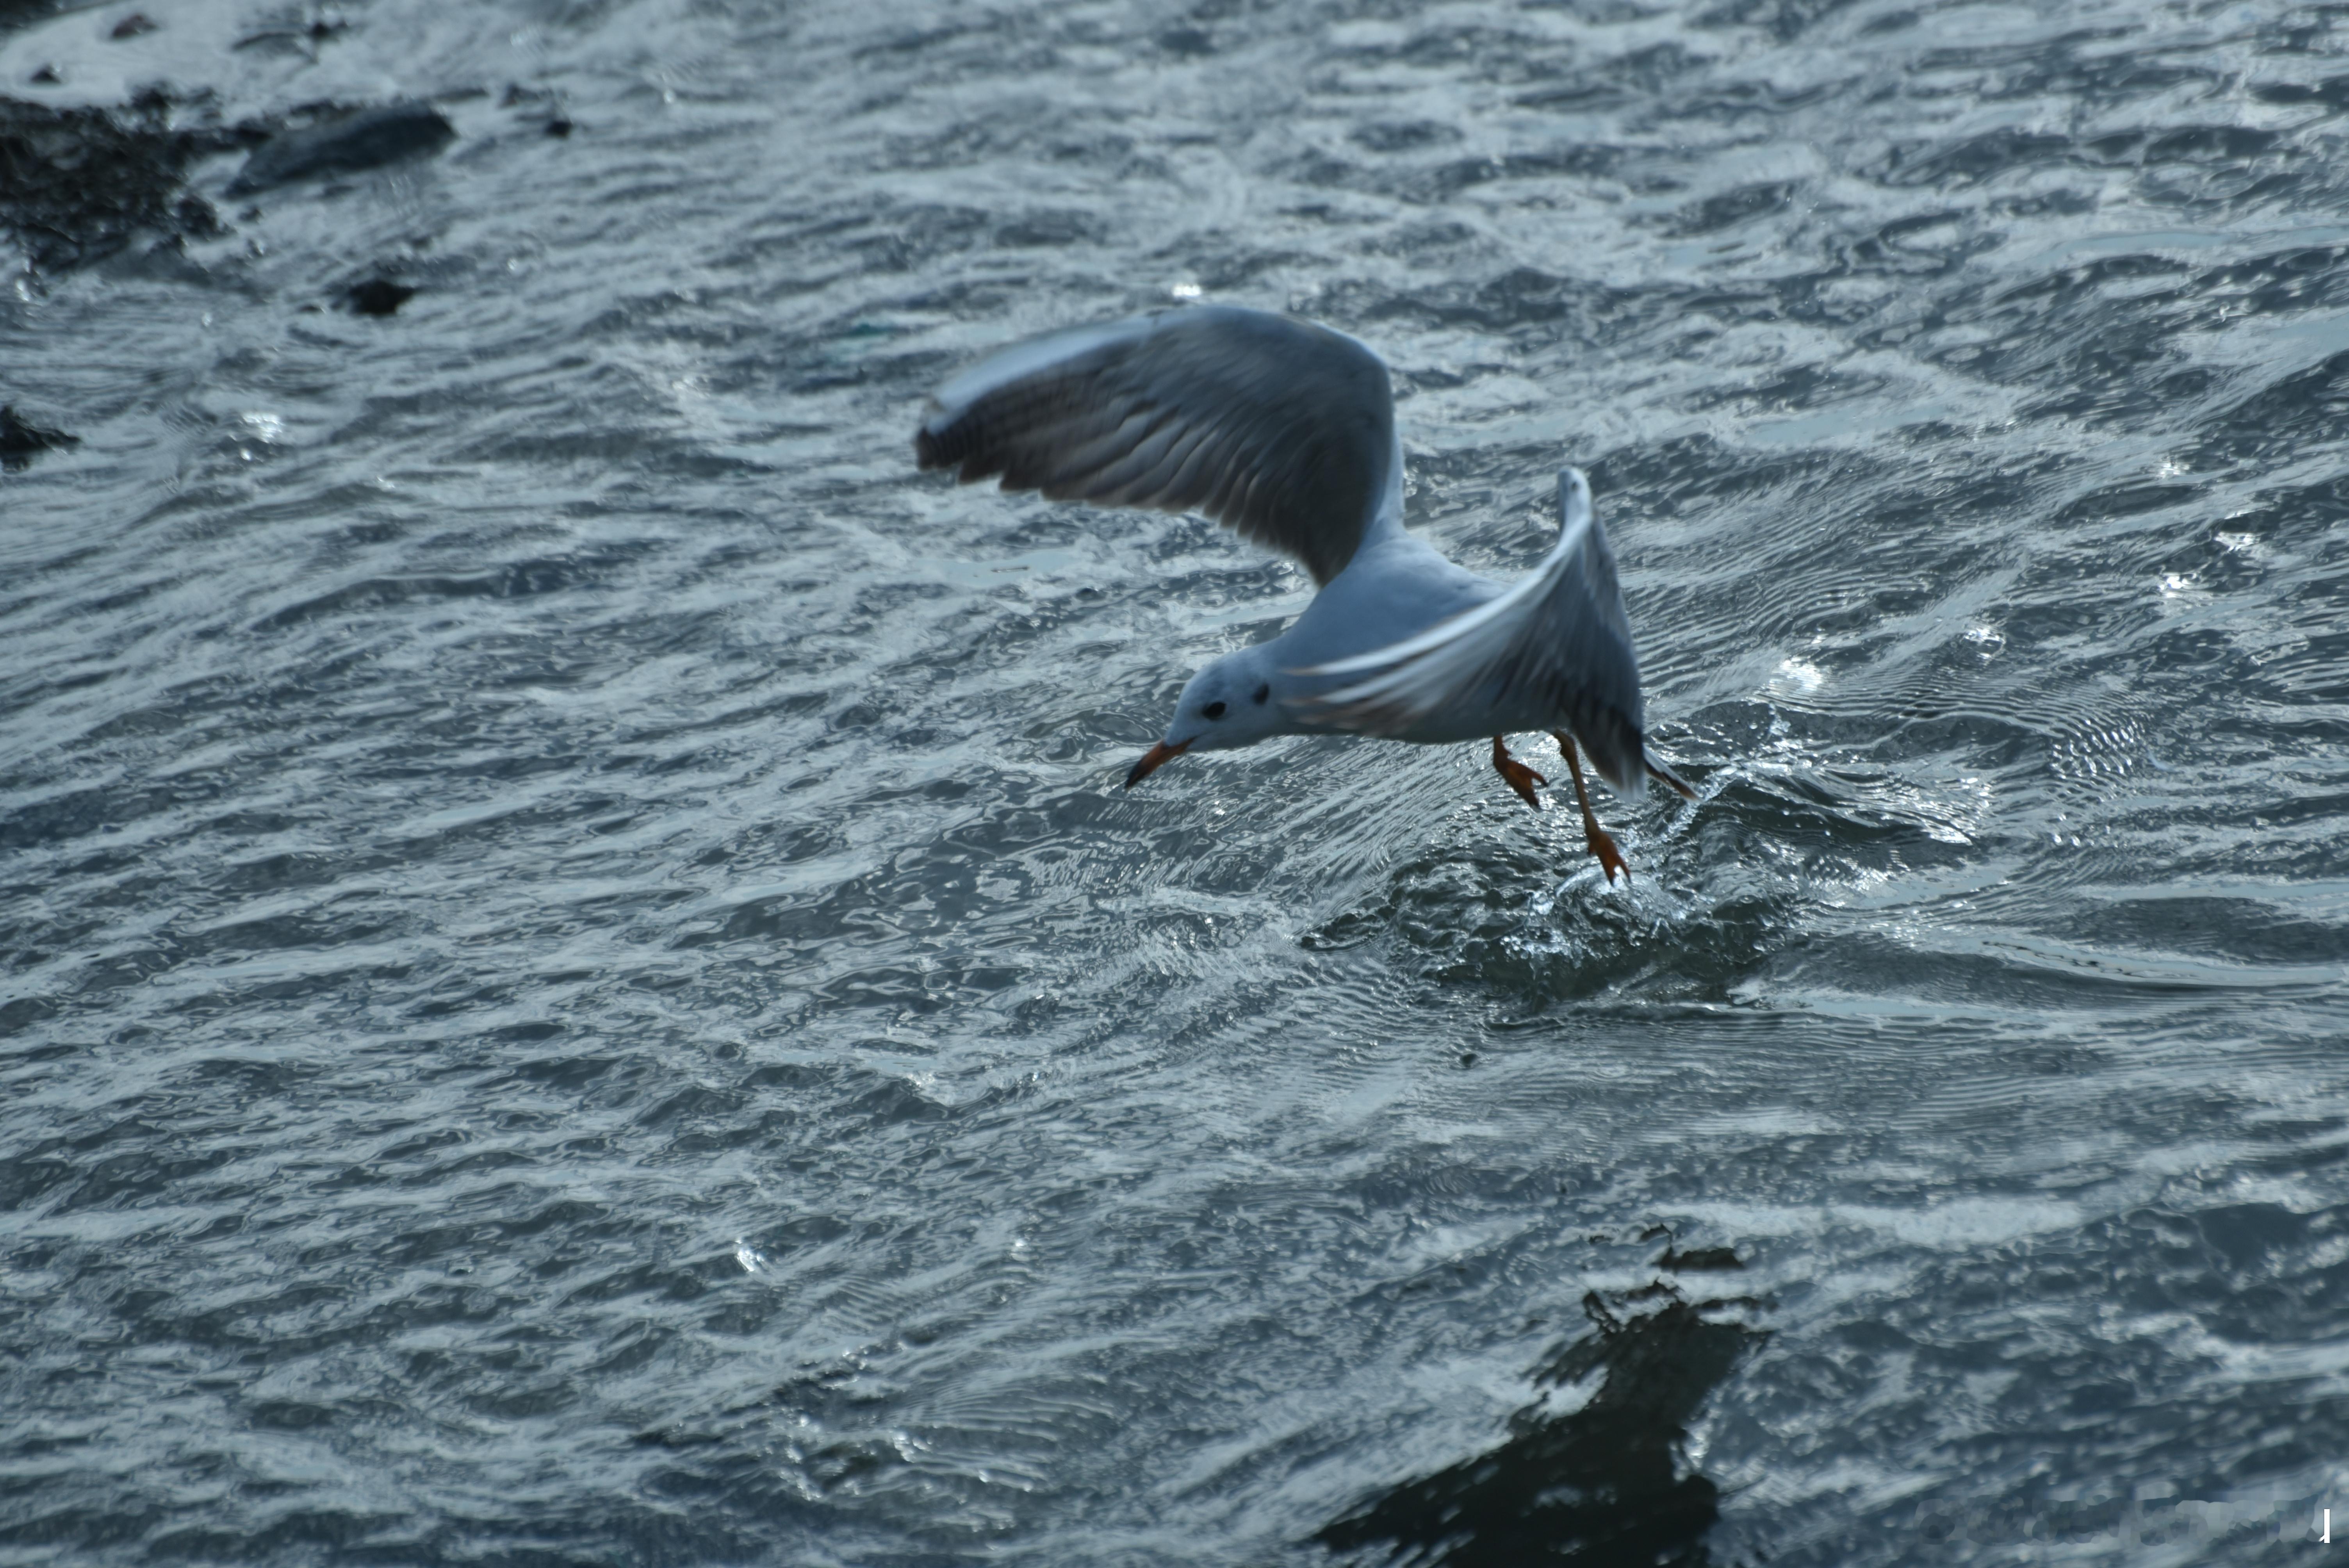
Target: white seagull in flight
{"x":1283,"y":431}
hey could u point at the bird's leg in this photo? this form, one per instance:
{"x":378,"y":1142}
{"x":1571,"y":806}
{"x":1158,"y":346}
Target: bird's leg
{"x":1594,"y":837}
{"x":1517,"y":775}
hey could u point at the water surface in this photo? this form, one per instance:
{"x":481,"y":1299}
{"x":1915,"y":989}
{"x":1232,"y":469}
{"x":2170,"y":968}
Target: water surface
{"x":581,"y":988}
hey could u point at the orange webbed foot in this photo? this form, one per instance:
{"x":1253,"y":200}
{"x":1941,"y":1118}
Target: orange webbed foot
{"x":1517,"y":775}
{"x":1596,"y":839}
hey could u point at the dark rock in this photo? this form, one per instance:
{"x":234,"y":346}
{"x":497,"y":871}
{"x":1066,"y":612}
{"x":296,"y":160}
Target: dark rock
{"x":377,"y":296}
{"x":77,"y":185}
{"x":345,"y":143}
{"x":46,"y":77}
{"x":298,"y":40}
{"x":517,"y":95}
{"x":131,"y":26}
{"x":1699,"y":1258}
{"x":192,"y":215}
{"x":21,"y":441}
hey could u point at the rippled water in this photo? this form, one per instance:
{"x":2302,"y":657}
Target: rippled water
{"x":580,"y":986}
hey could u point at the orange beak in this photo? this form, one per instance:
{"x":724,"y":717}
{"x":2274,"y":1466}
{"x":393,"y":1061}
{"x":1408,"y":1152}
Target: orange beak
{"x":1151,"y":759}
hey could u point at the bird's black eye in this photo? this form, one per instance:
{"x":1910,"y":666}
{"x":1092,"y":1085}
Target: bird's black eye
{"x":1262,"y":693}
{"x":1213,"y":710}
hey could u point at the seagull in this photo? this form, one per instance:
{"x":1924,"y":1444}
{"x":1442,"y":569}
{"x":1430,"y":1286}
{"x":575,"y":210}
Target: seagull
{"x":1283,"y":431}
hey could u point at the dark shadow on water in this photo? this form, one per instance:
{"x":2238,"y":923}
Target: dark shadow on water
{"x":1600,"y":1485}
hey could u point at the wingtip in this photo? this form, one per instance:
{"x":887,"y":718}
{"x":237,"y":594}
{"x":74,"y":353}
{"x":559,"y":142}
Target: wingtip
{"x":1573,"y":498}
{"x":1665,"y":776}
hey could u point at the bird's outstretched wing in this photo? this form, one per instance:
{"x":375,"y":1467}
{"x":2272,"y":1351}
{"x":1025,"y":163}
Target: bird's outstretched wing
{"x":1280,"y":429}
{"x":1555,"y":648}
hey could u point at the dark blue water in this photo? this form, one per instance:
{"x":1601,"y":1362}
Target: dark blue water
{"x":580,"y":989}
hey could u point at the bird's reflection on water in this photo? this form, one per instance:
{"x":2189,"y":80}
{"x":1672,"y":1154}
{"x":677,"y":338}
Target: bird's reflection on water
{"x":1600,"y":1484}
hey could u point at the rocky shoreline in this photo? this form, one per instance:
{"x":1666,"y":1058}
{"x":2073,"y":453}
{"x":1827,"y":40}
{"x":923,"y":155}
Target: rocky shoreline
{"x":82,"y":184}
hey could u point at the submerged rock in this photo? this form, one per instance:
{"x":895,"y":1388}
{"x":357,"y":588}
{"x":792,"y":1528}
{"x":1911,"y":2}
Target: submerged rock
{"x":78,"y":184}
{"x":377,"y":296}
{"x":556,"y":122}
{"x":301,"y":37}
{"x":21,"y":441}
{"x":1603,"y":1484}
{"x":347,"y":143}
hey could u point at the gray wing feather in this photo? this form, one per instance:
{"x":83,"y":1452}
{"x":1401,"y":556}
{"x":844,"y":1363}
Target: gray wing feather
{"x":1280,"y":429}
{"x":1555,"y":648}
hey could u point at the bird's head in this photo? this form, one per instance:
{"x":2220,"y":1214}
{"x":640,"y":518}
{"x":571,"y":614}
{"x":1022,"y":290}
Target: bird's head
{"x":1228,"y":704}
